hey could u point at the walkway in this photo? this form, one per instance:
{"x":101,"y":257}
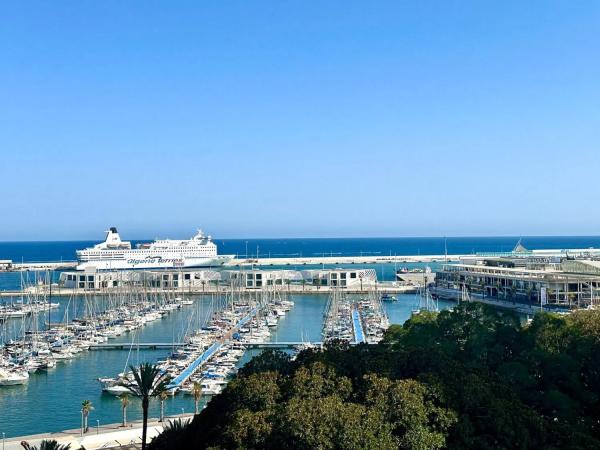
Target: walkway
{"x":359,"y":336}
{"x":214,"y":348}
{"x":104,"y":436}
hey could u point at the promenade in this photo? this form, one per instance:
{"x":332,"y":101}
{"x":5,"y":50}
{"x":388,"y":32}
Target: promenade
{"x":103,"y":436}
{"x":268,"y":261}
{"x":325,"y":259}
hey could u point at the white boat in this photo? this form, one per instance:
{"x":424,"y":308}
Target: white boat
{"x":116,"y":390}
{"x":12,"y":378}
{"x":209,"y":388}
{"x":115,"y":254}
{"x":62,"y":355}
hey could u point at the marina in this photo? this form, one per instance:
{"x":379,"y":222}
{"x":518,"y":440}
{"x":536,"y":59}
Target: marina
{"x":303,"y":323}
{"x":354,"y":319}
{"x":367,"y":297}
{"x":297,"y":225}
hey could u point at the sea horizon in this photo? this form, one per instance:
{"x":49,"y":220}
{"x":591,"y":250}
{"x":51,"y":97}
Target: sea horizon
{"x":64,"y":250}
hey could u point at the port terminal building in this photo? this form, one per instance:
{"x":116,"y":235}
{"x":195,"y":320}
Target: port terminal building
{"x":522,"y":278}
{"x":199,"y":280}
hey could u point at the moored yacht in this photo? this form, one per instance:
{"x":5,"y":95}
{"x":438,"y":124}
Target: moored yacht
{"x":13,"y":377}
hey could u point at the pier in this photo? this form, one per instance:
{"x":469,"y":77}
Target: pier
{"x":321,"y":260}
{"x":359,"y":336}
{"x":141,"y":345}
{"x":167,"y":345}
{"x":209,"y":353}
{"x":188,"y":371}
{"x":334,"y":260}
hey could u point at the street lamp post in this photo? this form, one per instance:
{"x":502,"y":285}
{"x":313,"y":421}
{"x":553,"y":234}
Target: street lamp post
{"x":3,"y":440}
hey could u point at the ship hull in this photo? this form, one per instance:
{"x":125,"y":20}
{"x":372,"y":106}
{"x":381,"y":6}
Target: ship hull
{"x":154,"y":263}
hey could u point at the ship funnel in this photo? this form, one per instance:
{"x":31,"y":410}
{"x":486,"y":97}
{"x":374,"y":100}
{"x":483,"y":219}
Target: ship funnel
{"x":112,"y":237}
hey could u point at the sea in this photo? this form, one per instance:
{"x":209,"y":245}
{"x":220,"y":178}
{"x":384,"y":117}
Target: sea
{"x":51,"y":401}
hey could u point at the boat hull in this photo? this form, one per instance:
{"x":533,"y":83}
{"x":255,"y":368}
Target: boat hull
{"x":154,"y":263}
{"x":13,"y":381}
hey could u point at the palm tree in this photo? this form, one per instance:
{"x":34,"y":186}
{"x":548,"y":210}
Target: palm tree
{"x":149,"y":381}
{"x":162,"y":396}
{"x":124,"y":404}
{"x":86,"y":408}
{"x":46,"y":445}
{"x":197,"y":393}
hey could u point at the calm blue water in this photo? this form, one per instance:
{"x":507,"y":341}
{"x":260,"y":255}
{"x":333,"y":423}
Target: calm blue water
{"x":65,"y":250}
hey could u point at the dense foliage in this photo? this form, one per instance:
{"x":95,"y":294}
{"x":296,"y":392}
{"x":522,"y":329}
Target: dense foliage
{"x":472,"y":378}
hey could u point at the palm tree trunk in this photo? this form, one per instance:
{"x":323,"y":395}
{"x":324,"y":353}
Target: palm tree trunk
{"x":196,"y":407}
{"x":85,"y":423}
{"x":145,"y":402}
{"x":124,"y":416}
{"x":162,"y":410}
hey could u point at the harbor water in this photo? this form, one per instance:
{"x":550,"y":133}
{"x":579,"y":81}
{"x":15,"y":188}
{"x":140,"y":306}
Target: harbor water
{"x":51,"y":400}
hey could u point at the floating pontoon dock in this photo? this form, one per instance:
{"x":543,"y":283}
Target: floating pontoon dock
{"x":359,"y":335}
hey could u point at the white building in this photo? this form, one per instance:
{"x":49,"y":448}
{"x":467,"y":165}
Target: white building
{"x":344,"y":278}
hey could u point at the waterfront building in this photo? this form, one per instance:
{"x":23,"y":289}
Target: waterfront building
{"x":256,"y":279}
{"x":94,"y":281}
{"x":344,"y":278}
{"x":535,"y":280}
{"x":201,"y":279}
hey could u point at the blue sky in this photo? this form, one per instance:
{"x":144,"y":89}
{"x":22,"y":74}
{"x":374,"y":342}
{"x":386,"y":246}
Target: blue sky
{"x":270,"y":119}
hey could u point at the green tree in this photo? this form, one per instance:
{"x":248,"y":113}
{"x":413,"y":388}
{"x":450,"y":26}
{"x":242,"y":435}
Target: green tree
{"x":162,"y":397}
{"x":148,"y":381}
{"x":86,"y":408}
{"x":197,"y":394}
{"x":124,"y":398}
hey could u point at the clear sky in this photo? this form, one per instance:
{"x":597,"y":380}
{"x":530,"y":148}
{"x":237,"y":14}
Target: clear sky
{"x":279,"y":118}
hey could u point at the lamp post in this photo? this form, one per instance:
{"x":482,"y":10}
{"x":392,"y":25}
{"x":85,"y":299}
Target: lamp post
{"x":3,"y":440}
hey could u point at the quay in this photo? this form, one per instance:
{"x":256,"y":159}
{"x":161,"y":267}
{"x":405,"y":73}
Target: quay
{"x":108,"y":436}
{"x":9,"y":265}
{"x":334,"y":260}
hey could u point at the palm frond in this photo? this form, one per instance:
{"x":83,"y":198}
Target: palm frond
{"x":148,"y":380}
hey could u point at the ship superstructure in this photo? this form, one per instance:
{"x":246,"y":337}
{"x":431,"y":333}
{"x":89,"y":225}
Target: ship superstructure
{"x":115,"y":254}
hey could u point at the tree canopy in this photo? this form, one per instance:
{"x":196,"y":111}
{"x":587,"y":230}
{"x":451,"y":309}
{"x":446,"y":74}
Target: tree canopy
{"x":471,"y":378}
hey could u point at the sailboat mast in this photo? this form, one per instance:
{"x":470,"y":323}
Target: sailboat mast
{"x":49,"y":299}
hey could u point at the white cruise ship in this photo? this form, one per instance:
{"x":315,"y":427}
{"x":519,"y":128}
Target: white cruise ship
{"x":115,"y":254}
